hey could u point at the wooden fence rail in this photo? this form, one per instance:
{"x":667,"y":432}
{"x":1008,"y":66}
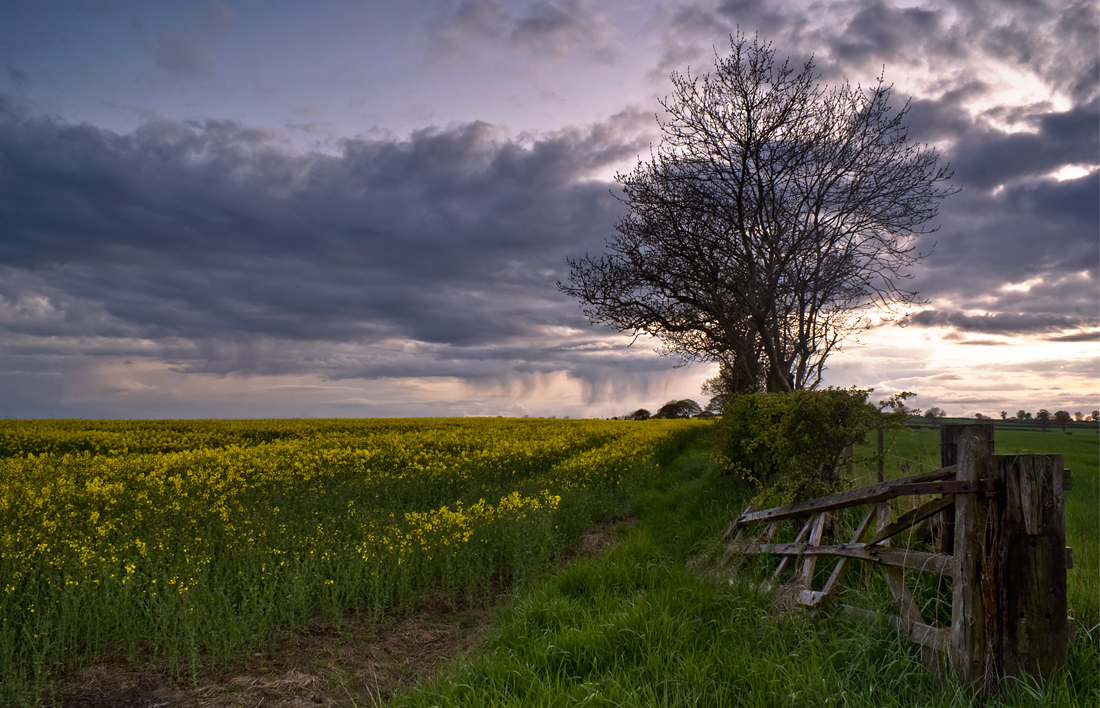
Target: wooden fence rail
{"x":1001,"y":550}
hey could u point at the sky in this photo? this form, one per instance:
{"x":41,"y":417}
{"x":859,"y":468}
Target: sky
{"x":262,"y":208}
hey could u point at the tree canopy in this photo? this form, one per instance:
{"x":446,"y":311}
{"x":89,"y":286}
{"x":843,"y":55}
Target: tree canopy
{"x":773,"y":212}
{"x":686,"y":408}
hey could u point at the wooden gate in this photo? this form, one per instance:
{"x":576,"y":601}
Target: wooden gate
{"x":1006,"y":567}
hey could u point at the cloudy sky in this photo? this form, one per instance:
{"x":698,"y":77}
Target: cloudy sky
{"x":361,"y":208}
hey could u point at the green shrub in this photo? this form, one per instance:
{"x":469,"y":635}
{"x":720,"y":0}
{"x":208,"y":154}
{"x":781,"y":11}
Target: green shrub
{"x":791,"y":445}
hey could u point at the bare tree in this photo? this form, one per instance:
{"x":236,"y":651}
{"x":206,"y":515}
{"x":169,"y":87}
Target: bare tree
{"x":773,"y":212}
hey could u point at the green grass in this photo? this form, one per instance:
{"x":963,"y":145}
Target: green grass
{"x":647,"y":625}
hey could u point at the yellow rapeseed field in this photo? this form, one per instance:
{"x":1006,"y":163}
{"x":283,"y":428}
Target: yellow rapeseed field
{"x":195,"y":539}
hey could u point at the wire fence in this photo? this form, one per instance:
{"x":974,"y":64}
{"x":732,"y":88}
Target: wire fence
{"x":917,"y":465}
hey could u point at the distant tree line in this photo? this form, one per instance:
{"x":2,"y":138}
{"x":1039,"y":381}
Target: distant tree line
{"x":1043,"y":418}
{"x":685,"y":408}
{"x":718,"y":390}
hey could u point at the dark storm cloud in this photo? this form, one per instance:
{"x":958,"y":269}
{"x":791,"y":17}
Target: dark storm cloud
{"x":1056,"y":41}
{"x":1093,"y":336}
{"x":771,"y":20}
{"x":985,"y":158}
{"x":1027,"y":256}
{"x":849,"y":38}
{"x":491,"y":361}
{"x":235,"y":254}
{"x":1002,"y":323}
{"x":881,"y":32}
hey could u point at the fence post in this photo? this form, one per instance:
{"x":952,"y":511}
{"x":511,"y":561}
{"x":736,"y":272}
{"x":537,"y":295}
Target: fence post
{"x":968,"y":615}
{"x":1009,"y":606}
{"x":949,"y":438}
{"x":1030,"y":585}
{"x":881,"y":456}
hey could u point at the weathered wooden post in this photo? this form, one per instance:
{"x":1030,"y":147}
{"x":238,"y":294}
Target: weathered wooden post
{"x":1030,"y":583}
{"x":949,"y":436}
{"x":968,"y":615}
{"x":1009,"y":606}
